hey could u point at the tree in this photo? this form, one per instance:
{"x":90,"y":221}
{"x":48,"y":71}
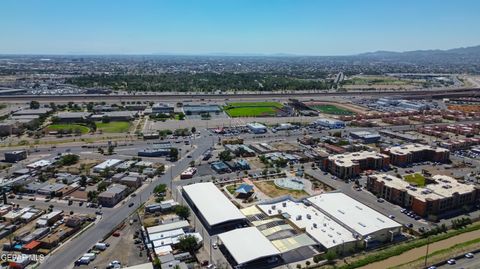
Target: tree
{"x":83,"y":181}
{"x":174,"y":154}
{"x":160,"y":170}
{"x":69,"y":159}
{"x":92,"y":195}
{"x":225,"y":156}
{"x":34,"y":105}
{"x":160,"y":188}
{"x":182,"y":211}
{"x":102,"y":186}
{"x":188,"y":243}
{"x":181,"y":116}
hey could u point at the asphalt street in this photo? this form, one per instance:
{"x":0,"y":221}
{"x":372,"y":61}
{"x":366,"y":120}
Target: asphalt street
{"x":67,"y":254}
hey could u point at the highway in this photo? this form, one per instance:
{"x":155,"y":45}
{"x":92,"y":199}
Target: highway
{"x":71,"y":251}
{"x":422,"y":93}
{"x":473,"y":263}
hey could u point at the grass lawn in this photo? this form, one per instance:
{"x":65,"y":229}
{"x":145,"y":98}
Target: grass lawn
{"x":252,"y":109}
{"x":331,"y":109}
{"x":416,"y":179}
{"x":68,"y":126}
{"x":231,"y":188}
{"x":113,"y":126}
{"x":270,"y":189}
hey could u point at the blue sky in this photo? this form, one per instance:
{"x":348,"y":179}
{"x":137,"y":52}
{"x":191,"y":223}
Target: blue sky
{"x":307,"y":27}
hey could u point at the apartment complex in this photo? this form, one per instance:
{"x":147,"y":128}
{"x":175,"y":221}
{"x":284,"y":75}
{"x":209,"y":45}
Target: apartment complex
{"x":442,"y":194}
{"x":406,"y":154}
{"x":350,"y":165}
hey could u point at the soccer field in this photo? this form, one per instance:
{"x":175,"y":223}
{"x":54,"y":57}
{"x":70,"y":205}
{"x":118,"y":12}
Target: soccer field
{"x":252,"y":109}
{"x":67,"y":127}
{"x":113,"y":126}
{"x":331,"y":109}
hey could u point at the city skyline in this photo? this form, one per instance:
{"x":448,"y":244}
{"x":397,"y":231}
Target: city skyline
{"x":235,"y":27}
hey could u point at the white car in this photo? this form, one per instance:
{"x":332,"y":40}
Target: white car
{"x":469,"y":255}
{"x":452,"y":261}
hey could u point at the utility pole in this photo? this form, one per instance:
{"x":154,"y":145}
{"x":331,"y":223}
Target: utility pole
{"x":426,"y":254}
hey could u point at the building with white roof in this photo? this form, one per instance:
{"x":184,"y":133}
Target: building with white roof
{"x":323,"y":229}
{"x":39,"y":164}
{"x":247,"y":245}
{"x":110,"y":163}
{"x":439,"y":195}
{"x":356,"y":217}
{"x":212,"y":206}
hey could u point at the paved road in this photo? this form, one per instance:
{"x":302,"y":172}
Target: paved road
{"x":68,"y":253}
{"x":464,"y":263}
{"x":421,"y":93}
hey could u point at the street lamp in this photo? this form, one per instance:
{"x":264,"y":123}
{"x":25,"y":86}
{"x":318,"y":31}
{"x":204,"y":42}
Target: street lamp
{"x":426,"y":254}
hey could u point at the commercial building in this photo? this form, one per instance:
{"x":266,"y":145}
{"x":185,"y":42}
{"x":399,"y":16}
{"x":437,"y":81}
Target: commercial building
{"x":350,"y":165}
{"x":366,"y":137}
{"x":329,"y":123}
{"x":188,"y":173}
{"x":72,"y":116}
{"x":442,"y":194}
{"x":116,"y":116}
{"x":197,"y":109}
{"x":248,"y":245}
{"x":406,"y":154}
{"x":15,"y":156}
{"x":367,"y":224}
{"x":162,"y":108}
{"x":29,"y":112}
{"x":110,"y":163}
{"x":301,"y":215}
{"x":257,"y":128}
{"x":220,"y":167}
{"x":114,"y":194}
{"x":154,"y":152}
{"x":211,"y":206}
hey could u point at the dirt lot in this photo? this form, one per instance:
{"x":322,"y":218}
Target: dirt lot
{"x":122,"y":249}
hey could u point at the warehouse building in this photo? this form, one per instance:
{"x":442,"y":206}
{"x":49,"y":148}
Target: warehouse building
{"x":366,"y":223}
{"x":110,"y":163}
{"x":212,"y":207}
{"x":257,"y":128}
{"x":443,"y":194}
{"x":159,"y":108}
{"x":407,"y":154}
{"x":366,"y":137}
{"x":15,"y":156}
{"x":350,"y":165}
{"x":197,"y":109}
{"x":329,"y":123}
{"x":248,"y":247}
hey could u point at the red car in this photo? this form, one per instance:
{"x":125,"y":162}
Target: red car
{"x":116,"y":234}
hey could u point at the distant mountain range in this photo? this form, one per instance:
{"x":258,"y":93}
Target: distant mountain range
{"x":457,"y":52}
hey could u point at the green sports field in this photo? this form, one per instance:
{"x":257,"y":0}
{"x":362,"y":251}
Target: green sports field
{"x":252,"y":109}
{"x":332,"y":109}
{"x":113,"y":126}
{"x":68,"y":127}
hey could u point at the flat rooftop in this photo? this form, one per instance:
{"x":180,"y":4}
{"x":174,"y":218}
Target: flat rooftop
{"x":248,"y":244}
{"x":319,"y":226}
{"x":410,"y":148}
{"x":349,"y":159}
{"x":212,"y":203}
{"x":352,"y":214}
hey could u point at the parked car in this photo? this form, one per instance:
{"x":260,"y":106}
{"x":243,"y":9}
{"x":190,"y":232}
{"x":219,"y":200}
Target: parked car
{"x":452,"y":261}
